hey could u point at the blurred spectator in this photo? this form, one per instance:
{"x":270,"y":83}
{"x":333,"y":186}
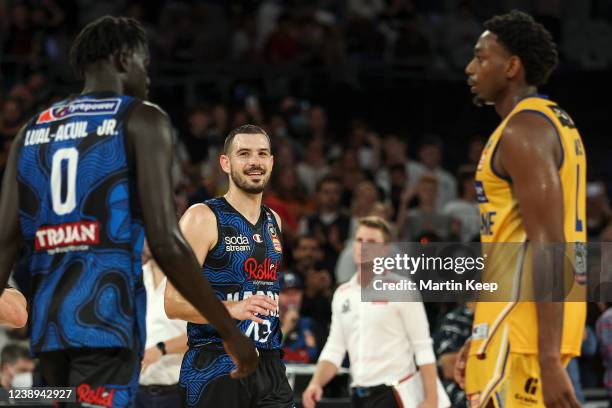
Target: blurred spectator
{"x":288,"y":198}
{"x":314,"y":167}
{"x":219,"y":124}
{"x":350,"y":174}
{"x":395,"y":151}
{"x":299,"y":343}
{"x":197,"y":139}
{"x":425,"y":218}
{"x":282,"y":46}
{"x":589,"y":348}
{"x":329,"y":224}
{"x":366,"y":145}
{"x":306,"y":254}
{"x":454,"y":329}
{"x":430,"y":156}
{"x":317,"y":123}
{"x":597,"y":209}
{"x":604,"y":337}
{"x":474,"y":150}
{"x":316,"y":302}
{"x":11,"y":119}
{"x":366,"y":9}
{"x":365,"y":197}
{"x":17,"y":367}
{"x":465,"y":209}
{"x":22,"y":38}
{"x":243,"y":39}
{"x":460,"y":31}
{"x":413,"y":48}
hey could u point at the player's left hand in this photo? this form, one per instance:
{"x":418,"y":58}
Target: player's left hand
{"x":151,"y":356}
{"x":557,"y":389}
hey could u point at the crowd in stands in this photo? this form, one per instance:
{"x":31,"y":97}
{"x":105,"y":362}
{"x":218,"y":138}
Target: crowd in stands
{"x":323,"y":182}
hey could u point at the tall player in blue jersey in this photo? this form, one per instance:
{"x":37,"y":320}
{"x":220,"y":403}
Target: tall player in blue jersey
{"x":84,"y":180}
{"x":238,"y":242}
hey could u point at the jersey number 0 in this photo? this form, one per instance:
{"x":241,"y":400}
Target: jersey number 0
{"x":64,"y":205}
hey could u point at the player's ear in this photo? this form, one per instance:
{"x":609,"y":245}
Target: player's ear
{"x":122,"y":60}
{"x":224,"y":161}
{"x":513,"y":67}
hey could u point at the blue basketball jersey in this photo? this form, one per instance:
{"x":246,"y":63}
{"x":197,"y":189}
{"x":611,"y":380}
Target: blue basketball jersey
{"x":245,"y":261}
{"x":81,"y":222}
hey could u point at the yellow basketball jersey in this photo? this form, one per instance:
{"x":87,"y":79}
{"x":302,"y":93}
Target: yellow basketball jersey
{"x":502,"y":223}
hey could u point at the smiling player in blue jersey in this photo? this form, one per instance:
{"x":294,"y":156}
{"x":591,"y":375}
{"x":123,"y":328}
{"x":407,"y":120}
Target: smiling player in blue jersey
{"x":237,"y":240}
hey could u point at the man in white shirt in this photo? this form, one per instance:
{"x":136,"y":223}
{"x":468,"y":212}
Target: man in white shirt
{"x":383,"y":339}
{"x":166,"y":344}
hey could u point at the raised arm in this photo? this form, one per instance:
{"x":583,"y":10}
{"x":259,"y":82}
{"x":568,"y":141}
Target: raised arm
{"x":10,"y":235}
{"x":150,"y":145}
{"x":530,"y":154}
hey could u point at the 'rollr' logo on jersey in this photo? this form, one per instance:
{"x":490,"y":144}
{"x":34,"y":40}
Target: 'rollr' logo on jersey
{"x":99,"y":397}
{"x":257,"y":271}
{"x":74,"y":233}
{"x":108,"y":106}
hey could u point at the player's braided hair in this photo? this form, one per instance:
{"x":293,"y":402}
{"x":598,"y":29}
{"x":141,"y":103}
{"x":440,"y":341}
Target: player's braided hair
{"x":104,"y":37}
{"x":521,"y":35}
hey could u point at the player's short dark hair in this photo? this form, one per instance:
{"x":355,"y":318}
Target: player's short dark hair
{"x":244,"y":130}
{"x":12,"y":353}
{"x":521,"y":35}
{"x":104,"y":37}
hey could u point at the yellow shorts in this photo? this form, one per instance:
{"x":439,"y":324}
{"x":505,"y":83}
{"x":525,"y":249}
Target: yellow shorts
{"x":504,"y":379}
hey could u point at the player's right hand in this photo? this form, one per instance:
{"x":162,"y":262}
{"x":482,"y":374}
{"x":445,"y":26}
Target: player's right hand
{"x":557,"y":389}
{"x":242,"y":352}
{"x":249,"y":308}
{"x":460,"y":364}
{"x":312,"y":394}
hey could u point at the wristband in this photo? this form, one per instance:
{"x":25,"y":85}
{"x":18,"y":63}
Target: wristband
{"x":162,"y":347}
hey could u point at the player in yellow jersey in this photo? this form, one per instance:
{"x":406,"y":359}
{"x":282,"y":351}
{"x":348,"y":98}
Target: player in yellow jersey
{"x":530,"y":183}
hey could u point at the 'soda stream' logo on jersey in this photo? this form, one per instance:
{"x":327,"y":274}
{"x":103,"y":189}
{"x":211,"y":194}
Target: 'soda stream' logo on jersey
{"x":237,"y":243}
{"x":256,"y":271}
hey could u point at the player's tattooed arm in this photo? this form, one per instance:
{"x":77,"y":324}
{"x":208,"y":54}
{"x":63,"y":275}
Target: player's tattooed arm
{"x":10,"y":234}
{"x":529,"y":138}
{"x":199,"y":226}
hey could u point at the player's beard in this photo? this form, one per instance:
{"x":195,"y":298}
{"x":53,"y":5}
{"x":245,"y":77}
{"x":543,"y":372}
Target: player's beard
{"x":241,"y":181}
